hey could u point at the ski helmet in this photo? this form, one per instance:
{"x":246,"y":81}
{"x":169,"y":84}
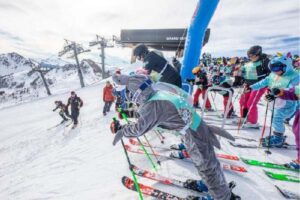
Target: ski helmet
{"x":280,"y":64}
{"x":255,"y":50}
{"x":140,"y":50}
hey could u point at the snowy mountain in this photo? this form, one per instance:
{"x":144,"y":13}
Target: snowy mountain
{"x":18,"y":83}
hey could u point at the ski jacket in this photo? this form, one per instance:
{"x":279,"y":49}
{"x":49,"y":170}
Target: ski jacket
{"x":108,"y":93}
{"x":256,"y":71}
{"x":288,"y":80}
{"x":75,"y":103}
{"x":60,"y":106}
{"x":159,"y":64}
{"x":167,"y":111}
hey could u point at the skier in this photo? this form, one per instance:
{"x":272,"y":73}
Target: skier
{"x":222,"y":81}
{"x":157,"y":63}
{"x":76,"y":103}
{"x":63,"y":112}
{"x":171,"y":112}
{"x":202,"y":85}
{"x":237,"y":73}
{"x":255,"y":70}
{"x":282,"y":76}
{"x":294,"y":95}
{"x":108,"y":97}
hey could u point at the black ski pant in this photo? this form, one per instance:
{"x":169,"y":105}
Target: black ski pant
{"x":107,"y":106}
{"x":74,"y":116}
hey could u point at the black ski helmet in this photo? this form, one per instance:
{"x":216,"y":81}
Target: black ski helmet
{"x":255,"y":50}
{"x":140,"y":50}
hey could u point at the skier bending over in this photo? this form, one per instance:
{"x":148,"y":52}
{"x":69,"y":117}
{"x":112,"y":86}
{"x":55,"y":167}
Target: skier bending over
{"x":282,"y":76}
{"x":63,"y":112}
{"x":76,"y":103}
{"x":171,"y":112}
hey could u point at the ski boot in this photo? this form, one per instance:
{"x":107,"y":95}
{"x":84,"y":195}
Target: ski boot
{"x":295,"y":164}
{"x":208,"y":197}
{"x":209,"y":110}
{"x":250,"y":125}
{"x":238,"y":121}
{"x":198,"y":186}
{"x":179,"y":146}
{"x":179,"y":154}
{"x":235,"y":197}
{"x":276,"y":140}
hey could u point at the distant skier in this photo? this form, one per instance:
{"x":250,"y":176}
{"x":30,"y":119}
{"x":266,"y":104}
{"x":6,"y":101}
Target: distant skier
{"x":76,"y":103}
{"x":108,"y":97}
{"x":202,"y":84}
{"x":171,"y":112}
{"x":63,"y":112}
{"x":154,"y":61}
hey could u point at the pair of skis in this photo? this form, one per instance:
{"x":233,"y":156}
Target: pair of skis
{"x":224,"y":156}
{"x":150,"y":191}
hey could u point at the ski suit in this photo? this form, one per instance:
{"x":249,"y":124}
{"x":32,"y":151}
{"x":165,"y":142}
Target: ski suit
{"x":253,"y":72}
{"x":76,"y":103}
{"x":202,"y":85}
{"x":224,"y":82}
{"x":63,"y":112}
{"x":171,"y":112}
{"x":108,"y":98}
{"x":294,"y":95}
{"x":159,"y":64}
{"x":283,"y":108}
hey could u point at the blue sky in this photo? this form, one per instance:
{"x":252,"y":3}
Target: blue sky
{"x":37,"y":28}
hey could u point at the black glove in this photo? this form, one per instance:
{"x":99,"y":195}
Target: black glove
{"x":115,"y":126}
{"x":270,"y":97}
{"x":118,"y":137}
{"x":275,"y":91}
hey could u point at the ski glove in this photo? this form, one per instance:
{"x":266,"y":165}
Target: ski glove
{"x":115,"y":126}
{"x":270,"y":97}
{"x":118,"y":137}
{"x":275,"y":91}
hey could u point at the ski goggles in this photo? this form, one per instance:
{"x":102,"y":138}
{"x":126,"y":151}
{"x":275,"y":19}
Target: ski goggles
{"x":278,"y":66}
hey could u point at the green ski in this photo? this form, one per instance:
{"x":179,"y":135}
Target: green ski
{"x":282,"y":177}
{"x":268,"y":165}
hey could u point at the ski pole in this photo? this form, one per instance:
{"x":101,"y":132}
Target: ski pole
{"x":264,"y":128}
{"x":268,"y":150}
{"x":132,"y":172}
{"x":158,"y":161}
{"x":160,"y":136}
{"x":124,"y":116}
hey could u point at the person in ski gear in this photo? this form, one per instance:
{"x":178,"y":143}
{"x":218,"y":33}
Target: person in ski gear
{"x":155,"y":62}
{"x":108,"y":97}
{"x":292,"y":94}
{"x":236,"y":71}
{"x":254,"y":71}
{"x":202,"y":84}
{"x":224,"y":82}
{"x":169,"y":111}
{"x":76,"y":103}
{"x":63,"y":111}
{"x":282,"y":76}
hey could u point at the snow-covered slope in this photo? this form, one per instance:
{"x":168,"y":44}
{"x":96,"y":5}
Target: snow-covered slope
{"x":63,"y":164}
